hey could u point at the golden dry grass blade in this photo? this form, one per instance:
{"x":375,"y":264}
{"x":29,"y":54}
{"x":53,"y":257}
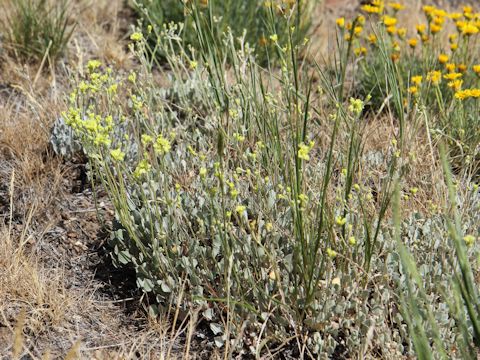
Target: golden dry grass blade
{"x":17,"y":348}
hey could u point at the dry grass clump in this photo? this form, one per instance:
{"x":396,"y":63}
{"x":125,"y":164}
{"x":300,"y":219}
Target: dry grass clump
{"x":37,"y":30}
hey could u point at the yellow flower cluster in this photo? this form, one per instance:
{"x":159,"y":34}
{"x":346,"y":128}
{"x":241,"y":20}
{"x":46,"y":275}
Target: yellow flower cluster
{"x":142,"y":168}
{"x":467,"y":93}
{"x":435,"y":77}
{"x":467,"y":22}
{"x":136,"y":36}
{"x":304,"y":149}
{"x":356,"y":106}
{"x":161,"y":145}
{"x":374,"y":7}
{"x":404,"y":43}
{"x":92,"y":127}
{"x":469,"y":240}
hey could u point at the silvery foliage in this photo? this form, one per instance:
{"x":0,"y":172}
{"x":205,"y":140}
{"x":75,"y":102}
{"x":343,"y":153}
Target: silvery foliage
{"x":63,"y":139}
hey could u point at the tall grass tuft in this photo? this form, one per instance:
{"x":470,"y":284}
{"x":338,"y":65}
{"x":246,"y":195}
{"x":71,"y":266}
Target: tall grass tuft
{"x":37,"y":29}
{"x":253,"y":20}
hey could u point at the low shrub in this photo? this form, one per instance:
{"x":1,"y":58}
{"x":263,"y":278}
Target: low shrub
{"x":232,"y":197}
{"x":438,"y":293}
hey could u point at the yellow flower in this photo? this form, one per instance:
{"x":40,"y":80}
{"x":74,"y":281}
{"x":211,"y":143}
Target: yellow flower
{"x":93,"y":65}
{"x":453,"y":46}
{"x":434,"y":28}
{"x":146,"y":139}
{"x":443,"y":58}
{"x":372,"y":38}
{"x":389,"y":21}
{"x":434,"y":76}
{"x":462,"y":67}
{"x":467,"y":93}
{"x":467,"y":10}
{"x":440,"y":13}
{"x":469,"y":239}
{"x":461,"y":95}
{"x":421,"y":28}
{"x":331,"y":253}
{"x":112,"y":89}
{"x":357,"y":30}
{"x":438,"y":20}
{"x":193,"y":64}
{"x":476,"y":69}
{"x":360,"y":50}
{"x":417,"y":80}
{"x":469,"y":29}
{"x":371,"y":9}
{"x":412,"y":42}
{"x":302,"y":200}
{"x":341,"y":22}
{"x":356,"y":106}
{"x":238,"y":137}
{"x":450,"y":67}
{"x":117,"y":154}
{"x":233,"y":193}
{"x":240,"y":209}
{"x":413,"y":90}
{"x":396,"y":6}
{"x":102,"y":139}
{"x":456,"y":84}
{"x":351,"y":240}
{"x":142,"y":168}
{"x":460,"y":24}
{"x":391,"y":29}
{"x":303,"y":150}
{"x":132,"y":77}
{"x":161,"y":145}
{"x":452,"y":76}
{"x":402,"y":32}
{"x":340,"y":220}
{"x":136,"y":36}
{"x":274,"y":38}
{"x":428,"y":9}
{"x":455,"y":16}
